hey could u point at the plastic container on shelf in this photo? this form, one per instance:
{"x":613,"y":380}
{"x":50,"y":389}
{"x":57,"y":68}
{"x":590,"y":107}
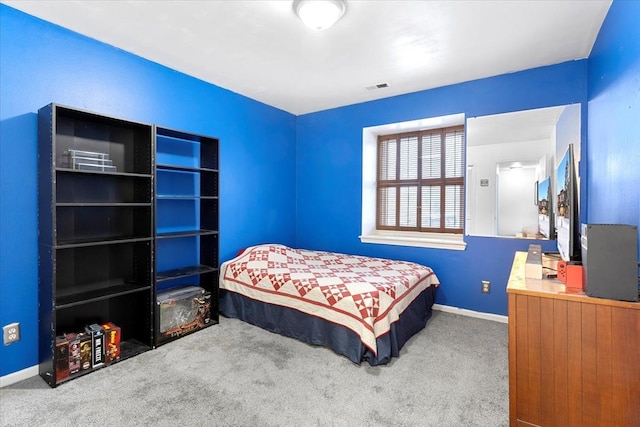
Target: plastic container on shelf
{"x":182,"y":310}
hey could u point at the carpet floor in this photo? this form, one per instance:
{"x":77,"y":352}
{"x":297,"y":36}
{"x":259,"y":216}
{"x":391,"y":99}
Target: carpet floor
{"x":452,"y":373}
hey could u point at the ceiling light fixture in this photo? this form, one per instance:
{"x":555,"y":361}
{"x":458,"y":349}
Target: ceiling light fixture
{"x":319,"y":14}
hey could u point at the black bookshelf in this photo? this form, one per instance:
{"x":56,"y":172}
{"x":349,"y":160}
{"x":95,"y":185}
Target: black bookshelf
{"x":96,"y":231}
{"x":187,"y":218}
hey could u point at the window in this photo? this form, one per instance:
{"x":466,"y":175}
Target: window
{"x":424,"y":237}
{"x":420,"y":181}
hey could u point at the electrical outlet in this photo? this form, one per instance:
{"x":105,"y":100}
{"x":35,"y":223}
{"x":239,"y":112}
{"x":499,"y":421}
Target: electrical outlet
{"x":486,"y":287}
{"x":11,"y":333}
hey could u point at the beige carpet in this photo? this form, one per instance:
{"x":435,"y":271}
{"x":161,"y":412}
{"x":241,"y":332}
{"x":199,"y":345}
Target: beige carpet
{"x":453,"y":373}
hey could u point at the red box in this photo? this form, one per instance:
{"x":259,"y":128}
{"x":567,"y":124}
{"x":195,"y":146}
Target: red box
{"x":62,"y":357}
{"x":74,"y":353}
{"x":111,"y":342}
{"x":571,"y":275}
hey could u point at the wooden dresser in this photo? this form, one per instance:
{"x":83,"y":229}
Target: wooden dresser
{"x":573,"y":360}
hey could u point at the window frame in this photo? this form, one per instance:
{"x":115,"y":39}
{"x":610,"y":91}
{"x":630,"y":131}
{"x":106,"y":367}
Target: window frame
{"x":419,"y":182}
{"x":369,"y":234}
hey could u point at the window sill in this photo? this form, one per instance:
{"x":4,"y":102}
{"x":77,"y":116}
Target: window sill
{"x":424,"y":240}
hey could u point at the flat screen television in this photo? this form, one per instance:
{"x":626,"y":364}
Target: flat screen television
{"x":546,"y":227}
{"x":567,"y":215}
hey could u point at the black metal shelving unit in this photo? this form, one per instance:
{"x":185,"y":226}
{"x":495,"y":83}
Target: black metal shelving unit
{"x":187,"y":219}
{"x":96,"y":232}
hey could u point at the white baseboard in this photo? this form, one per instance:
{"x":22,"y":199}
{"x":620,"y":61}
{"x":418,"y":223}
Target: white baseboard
{"x":18,"y":376}
{"x":471,"y":313}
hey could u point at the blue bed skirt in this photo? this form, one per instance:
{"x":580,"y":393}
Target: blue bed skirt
{"x":314,"y":330}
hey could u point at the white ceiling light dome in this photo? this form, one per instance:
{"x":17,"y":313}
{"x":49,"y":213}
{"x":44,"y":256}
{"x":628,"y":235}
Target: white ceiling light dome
{"x":319,"y":14}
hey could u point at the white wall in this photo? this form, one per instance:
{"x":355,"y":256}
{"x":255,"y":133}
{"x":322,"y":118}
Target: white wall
{"x":568,"y":132}
{"x":516,"y":195}
{"x":483,"y":159}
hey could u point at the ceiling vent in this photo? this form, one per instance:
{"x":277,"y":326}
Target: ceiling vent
{"x":378,"y":86}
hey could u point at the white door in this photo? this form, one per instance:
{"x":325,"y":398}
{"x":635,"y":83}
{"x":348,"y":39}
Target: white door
{"x":515,"y":202}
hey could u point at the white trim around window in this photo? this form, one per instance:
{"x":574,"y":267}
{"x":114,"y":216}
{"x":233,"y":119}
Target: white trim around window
{"x":423,"y":240}
{"x":369,"y":161}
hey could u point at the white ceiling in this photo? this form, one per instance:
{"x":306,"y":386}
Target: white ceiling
{"x":519,"y":126}
{"x":261,"y":50}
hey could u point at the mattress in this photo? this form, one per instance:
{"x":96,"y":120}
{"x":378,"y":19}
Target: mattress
{"x":363,"y":295}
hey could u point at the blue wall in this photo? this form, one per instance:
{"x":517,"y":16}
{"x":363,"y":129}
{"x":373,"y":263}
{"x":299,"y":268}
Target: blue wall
{"x":44,"y":63}
{"x":270,"y":158}
{"x":329,"y":169}
{"x":614,"y":118}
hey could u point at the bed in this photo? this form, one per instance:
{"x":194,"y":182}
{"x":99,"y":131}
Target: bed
{"x":363,"y":308}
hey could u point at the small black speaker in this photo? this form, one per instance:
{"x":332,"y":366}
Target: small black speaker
{"x":610,"y":261}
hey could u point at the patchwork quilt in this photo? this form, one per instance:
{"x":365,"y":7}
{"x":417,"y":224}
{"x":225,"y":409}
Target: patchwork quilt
{"x":361,"y":293}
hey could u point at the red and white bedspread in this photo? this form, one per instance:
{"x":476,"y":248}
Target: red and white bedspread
{"x":363,"y":294}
